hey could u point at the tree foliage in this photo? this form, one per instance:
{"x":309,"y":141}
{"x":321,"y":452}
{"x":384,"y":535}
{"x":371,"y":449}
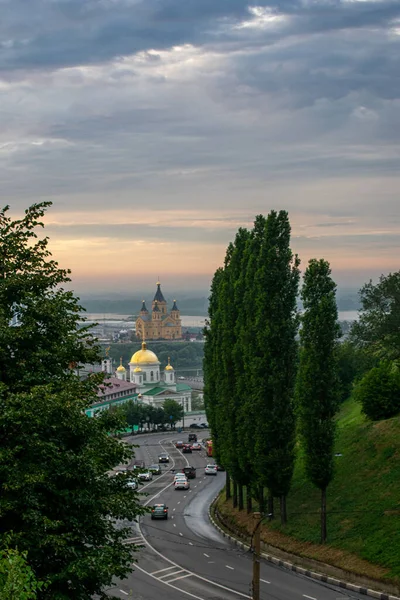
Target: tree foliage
{"x":173,"y":411}
{"x":17,"y":579}
{"x":58,"y":504}
{"x":378,"y":326}
{"x":379,"y":391}
{"x":317,"y":386}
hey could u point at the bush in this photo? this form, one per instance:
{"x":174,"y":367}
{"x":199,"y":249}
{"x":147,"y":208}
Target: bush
{"x":379,"y":392}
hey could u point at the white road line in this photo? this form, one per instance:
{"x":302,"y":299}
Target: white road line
{"x":170,"y":574}
{"x":310,"y":597}
{"x":170,"y":584}
{"x":207,"y":555}
{"x":180,"y":577}
{"x":228,"y":567}
{"x":265,"y":581}
{"x":179,"y":502}
{"x":174,"y":524}
{"x":123,"y":592}
{"x":174,"y":509}
{"x":190,"y":544}
{"x":161,"y":570}
{"x":181,"y":534}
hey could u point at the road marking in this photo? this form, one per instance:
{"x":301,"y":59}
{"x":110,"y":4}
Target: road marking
{"x":161,"y":570}
{"x":190,"y":544}
{"x":174,"y":524}
{"x":206,"y":555}
{"x":170,"y":574}
{"x":310,"y":597}
{"x":265,"y":581}
{"x":123,"y":592}
{"x":180,"y":577}
{"x":179,"y":502}
{"x":181,"y":534}
{"x":174,"y":509}
{"x":228,"y":567}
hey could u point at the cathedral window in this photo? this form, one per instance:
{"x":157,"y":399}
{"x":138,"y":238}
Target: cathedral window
{"x":151,"y":376}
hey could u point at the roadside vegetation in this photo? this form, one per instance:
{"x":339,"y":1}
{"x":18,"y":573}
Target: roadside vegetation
{"x":278,"y":403}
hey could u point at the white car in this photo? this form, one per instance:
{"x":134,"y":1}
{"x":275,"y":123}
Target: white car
{"x":179,"y":476}
{"x":182,"y":484}
{"x":145,"y":476}
{"x":132,"y":485}
{"x":211,"y":470}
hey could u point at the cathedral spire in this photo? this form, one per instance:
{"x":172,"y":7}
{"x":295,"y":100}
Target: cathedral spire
{"x":158,"y":296}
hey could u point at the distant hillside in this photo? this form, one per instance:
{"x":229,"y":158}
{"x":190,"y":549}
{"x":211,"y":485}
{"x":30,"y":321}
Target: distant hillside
{"x":131,"y":306}
{"x":363,"y":502}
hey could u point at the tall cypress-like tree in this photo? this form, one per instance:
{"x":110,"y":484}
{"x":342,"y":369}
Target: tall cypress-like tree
{"x":317,"y":387}
{"x":274,"y":355}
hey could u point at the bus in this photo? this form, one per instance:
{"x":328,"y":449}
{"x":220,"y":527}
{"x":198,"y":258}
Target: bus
{"x":209,"y":447}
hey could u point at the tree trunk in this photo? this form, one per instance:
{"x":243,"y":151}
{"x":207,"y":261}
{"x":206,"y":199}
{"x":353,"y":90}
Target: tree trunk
{"x":323,"y":516}
{"x":261,"y":499}
{"x":271,"y":506}
{"x":241,"y":504}
{"x":283,"y":510}
{"x":249,"y":500}
{"x":235,"y":494}
{"x":227,"y":486}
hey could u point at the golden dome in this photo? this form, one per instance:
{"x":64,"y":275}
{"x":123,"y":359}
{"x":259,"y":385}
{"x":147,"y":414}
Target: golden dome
{"x":121,"y":368}
{"x":137,"y":370}
{"x":169,"y":367}
{"x":144,"y":356}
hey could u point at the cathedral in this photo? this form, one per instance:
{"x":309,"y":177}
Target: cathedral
{"x":159,"y":325}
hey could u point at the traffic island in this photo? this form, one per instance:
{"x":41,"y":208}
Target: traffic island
{"x":238,"y":528}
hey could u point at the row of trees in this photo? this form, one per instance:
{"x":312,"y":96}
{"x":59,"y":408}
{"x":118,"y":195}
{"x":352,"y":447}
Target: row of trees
{"x":144,"y":415}
{"x":251,"y":361}
{"x":275,"y":378}
{"x":58,"y":506}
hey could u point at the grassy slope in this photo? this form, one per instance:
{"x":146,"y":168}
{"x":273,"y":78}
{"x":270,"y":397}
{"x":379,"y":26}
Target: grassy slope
{"x":363,"y":500}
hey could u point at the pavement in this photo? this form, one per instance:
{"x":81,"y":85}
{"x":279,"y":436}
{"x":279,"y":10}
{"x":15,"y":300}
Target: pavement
{"x":187,"y":557}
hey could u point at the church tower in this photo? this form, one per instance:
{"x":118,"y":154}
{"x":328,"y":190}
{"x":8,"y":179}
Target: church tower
{"x":160,"y":300}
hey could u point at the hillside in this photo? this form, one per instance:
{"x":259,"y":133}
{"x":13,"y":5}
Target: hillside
{"x":363,"y":502}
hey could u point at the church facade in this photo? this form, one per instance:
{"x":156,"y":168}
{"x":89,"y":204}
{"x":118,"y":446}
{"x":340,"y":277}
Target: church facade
{"x":159,"y":324}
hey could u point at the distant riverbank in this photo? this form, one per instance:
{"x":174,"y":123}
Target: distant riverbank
{"x":126,"y":322}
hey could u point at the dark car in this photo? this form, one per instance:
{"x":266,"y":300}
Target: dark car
{"x":139,"y":464}
{"x":190,"y":472}
{"x":159,"y":511}
{"x":192,"y":437}
{"x":220,"y":468}
{"x":163,"y":458}
{"x":195,"y":426}
{"x":155,"y":469}
{"x":204,"y":425}
{"x":187,"y":449}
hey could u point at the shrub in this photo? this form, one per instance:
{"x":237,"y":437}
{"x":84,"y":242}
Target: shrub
{"x":379,"y":392}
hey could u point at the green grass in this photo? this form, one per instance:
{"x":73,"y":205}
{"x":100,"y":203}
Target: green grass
{"x":363,"y":498}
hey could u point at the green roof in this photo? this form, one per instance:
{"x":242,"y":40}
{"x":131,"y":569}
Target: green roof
{"x":183,"y":387}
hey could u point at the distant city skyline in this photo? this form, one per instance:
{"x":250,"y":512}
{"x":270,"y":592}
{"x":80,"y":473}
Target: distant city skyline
{"x":159,"y":128}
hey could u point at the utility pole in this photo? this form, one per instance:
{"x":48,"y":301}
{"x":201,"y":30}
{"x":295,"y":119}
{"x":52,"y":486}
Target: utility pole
{"x":256,"y":557}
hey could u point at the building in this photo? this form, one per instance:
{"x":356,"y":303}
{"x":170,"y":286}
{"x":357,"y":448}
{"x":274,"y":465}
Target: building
{"x":143,"y":382}
{"x":160,"y":324}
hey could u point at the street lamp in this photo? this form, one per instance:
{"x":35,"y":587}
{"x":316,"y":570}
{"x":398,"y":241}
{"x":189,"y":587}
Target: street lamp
{"x":147,"y":419}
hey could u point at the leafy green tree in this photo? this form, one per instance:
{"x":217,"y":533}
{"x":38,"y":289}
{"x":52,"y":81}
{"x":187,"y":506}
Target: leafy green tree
{"x":274,"y":354}
{"x":352,"y":362}
{"x":378,"y":326}
{"x":57,"y":503}
{"x":317,"y":387}
{"x":17,"y":579}
{"x":173,"y":411}
{"x":379,"y":391}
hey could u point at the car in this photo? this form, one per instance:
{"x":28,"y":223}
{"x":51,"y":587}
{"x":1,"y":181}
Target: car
{"x":204,"y":425}
{"x":159,"y":511}
{"x":179,"y":444}
{"x":187,"y":449}
{"x":189,"y":472}
{"x":179,"y":476}
{"x":182,"y":484}
{"x":211,"y":470}
{"x":195,"y":426}
{"x":155,"y":469}
{"x":145,"y":476}
{"x":196,"y":446}
{"x":192,"y":437}
{"x":163,"y":458}
{"x":220,"y":468}
{"x":181,"y":377}
{"x":138,"y":464}
{"x":132,"y":485}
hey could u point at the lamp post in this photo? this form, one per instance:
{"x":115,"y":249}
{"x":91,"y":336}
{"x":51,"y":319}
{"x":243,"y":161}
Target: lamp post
{"x":183,"y":416}
{"x":147,"y":420}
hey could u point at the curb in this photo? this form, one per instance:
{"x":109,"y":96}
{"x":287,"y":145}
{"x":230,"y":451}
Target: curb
{"x":306,"y":572}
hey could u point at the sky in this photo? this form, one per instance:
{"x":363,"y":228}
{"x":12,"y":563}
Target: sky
{"x":159,"y":127}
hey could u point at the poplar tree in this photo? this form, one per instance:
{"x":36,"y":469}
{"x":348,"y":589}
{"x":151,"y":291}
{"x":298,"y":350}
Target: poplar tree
{"x":274,"y":351}
{"x":317,"y":387}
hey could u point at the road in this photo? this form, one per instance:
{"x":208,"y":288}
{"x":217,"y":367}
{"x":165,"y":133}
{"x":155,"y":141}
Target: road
{"x":185,"y":557}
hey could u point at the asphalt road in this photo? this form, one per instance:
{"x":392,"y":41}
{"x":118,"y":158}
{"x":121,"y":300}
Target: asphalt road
{"x":185,"y":557}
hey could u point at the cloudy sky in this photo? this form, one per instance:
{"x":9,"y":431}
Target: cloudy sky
{"x":158,"y":127}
